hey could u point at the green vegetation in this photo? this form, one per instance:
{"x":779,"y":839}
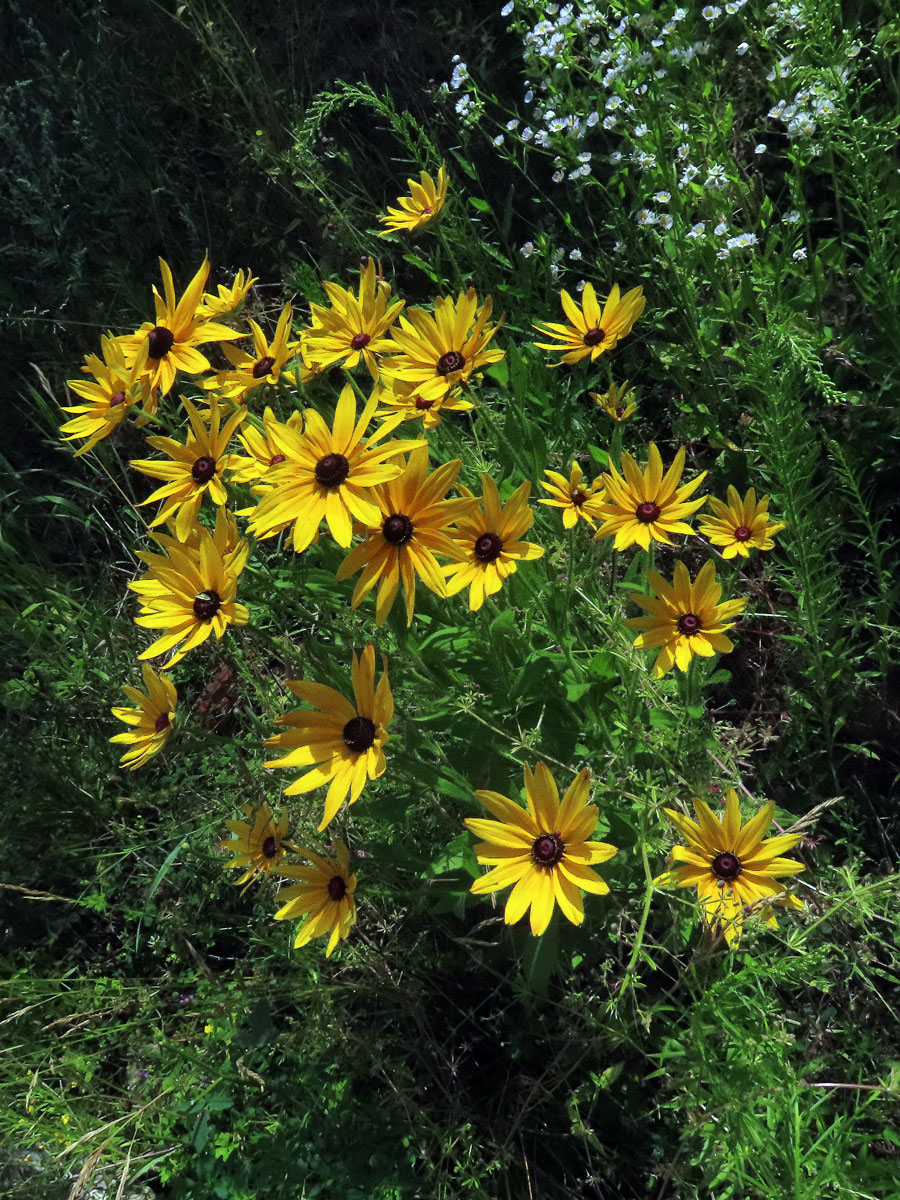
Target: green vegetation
{"x":161,"y":1034}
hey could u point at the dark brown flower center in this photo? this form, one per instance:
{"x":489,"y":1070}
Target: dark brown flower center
{"x":162,"y":722}
{"x":276,"y":459}
{"x":620,"y":411}
{"x":263,"y":367}
{"x":206,"y":605}
{"x":689,"y":623}
{"x":726,"y":866}
{"x":579,"y":495}
{"x":449,"y":362}
{"x":743,"y":534}
{"x":337,"y":887}
{"x":359,"y":341}
{"x":427,"y":209}
{"x":332,"y":470}
{"x":594,"y":336}
{"x":488,"y":547}
{"x":203,"y":469}
{"x":397,"y":529}
{"x":647,"y":512}
{"x":359,"y":734}
{"x":116,"y":398}
{"x":548,"y":849}
{"x":161,"y":342}
{"x":422,"y":404}
{"x":270,"y":847}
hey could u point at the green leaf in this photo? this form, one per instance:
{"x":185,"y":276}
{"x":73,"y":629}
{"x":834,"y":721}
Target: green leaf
{"x":481,"y":205}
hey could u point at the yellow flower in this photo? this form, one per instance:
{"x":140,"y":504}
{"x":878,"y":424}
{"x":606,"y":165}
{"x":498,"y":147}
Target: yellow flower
{"x":487,"y":546}
{"x":327,"y":473}
{"x":354,"y":328}
{"x":152,"y":721}
{"x":190,"y":594}
{"x":436,"y":353}
{"x":542,"y":851}
{"x":414,"y":518}
{"x":405,"y":398}
{"x":258,"y":843}
{"x":262,"y":451}
{"x":591,"y":332}
{"x":114,"y":389}
{"x":324,"y":897}
{"x":420,"y":207}
{"x":196,"y":468}
{"x":618,"y":402}
{"x":573,"y":497}
{"x":264,"y":365}
{"x":343,"y":742}
{"x":685,"y":618}
{"x":740,"y":525}
{"x":647,"y":507}
{"x":172,"y":339}
{"x":733,"y":868}
{"x":228,"y":298}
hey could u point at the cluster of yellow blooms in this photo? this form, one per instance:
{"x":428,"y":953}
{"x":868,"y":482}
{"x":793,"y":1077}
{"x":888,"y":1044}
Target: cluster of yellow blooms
{"x":359,"y":480}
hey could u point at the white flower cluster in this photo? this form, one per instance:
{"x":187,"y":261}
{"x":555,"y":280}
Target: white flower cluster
{"x":811,"y":107}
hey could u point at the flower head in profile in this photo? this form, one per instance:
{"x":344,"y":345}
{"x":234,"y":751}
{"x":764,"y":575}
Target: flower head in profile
{"x":644,"y":507}
{"x":190,"y":594}
{"x":414,"y":518}
{"x":195,"y":468}
{"x":109,"y":395}
{"x":740,"y":525}
{"x":343,"y":741}
{"x":324,"y":896}
{"x":258,"y":843}
{"x":228,"y":298}
{"x":591,"y":332}
{"x":542,"y":850}
{"x":685,"y":618}
{"x":618,"y":403}
{"x":262,"y":452}
{"x":405,"y":398}
{"x":486,"y":544}
{"x":173,"y":337}
{"x":425,"y":200}
{"x":434,"y":354}
{"x":733,"y":869}
{"x":264,"y":365}
{"x":151,"y":722}
{"x":578,"y":501}
{"x":327,"y":474}
{"x":355,"y":327}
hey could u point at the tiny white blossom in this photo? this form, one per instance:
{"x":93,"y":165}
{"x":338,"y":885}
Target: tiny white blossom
{"x":507,"y":8}
{"x":741,"y":240}
{"x":662,"y":197}
{"x":646,"y":216}
{"x":720,"y":229}
{"x":723,"y":253}
{"x":527,"y":250}
{"x":542,"y":138}
{"x":558,"y":176}
{"x":743,"y":48}
{"x":792,"y":217}
{"x":593,"y":119}
{"x":585,"y":156}
{"x":613,"y":103}
{"x":575,"y":254}
{"x":527,"y":133}
{"x":697,"y":230}
{"x":511,"y":125}
{"x":710,"y":12}
{"x":610,"y":121}
{"x":800,"y":254}
{"x":689,"y":173}
{"x":498,"y":140}
{"x":579,"y":286}
{"x":682,"y":152}
{"x":529,"y":96}
{"x":616,"y":157}
{"x":558,"y":125}
{"x":761,"y":148}
{"x":640,"y":130}
{"x":666,"y":220}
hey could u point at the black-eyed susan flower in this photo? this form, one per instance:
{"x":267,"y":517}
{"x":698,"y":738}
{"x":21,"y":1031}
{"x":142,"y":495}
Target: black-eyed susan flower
{"x":592,"y":332}
{"x":190,"y":594}
{"x":172,"y":339}
{"x":414,"y":518}
{"x":151,"y":722}
{"x":342,"y":742}
{"x":420,"y":207}
{"x":327,"y":473}
{"x":109,"y":395}
{"x":577,"y":499}
{"x":262,"y":452}
{"x":405,"y":398}
{"x":195,"y":470}
{"x":434,"y":354}
{"x":618,"y":403}
{"x":258,"y":843}
{"x":685,"y":618}
{"x":487,"y":545}
{"x":264,"y":365}
{"x":740,"y":525}
{"x":733,"y":869}
{"x":542,"y":850}
{"x":354,"y":328}
{"x":228,"y":298}
{"x":324,"y":896}
{"x":645,"y":507}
